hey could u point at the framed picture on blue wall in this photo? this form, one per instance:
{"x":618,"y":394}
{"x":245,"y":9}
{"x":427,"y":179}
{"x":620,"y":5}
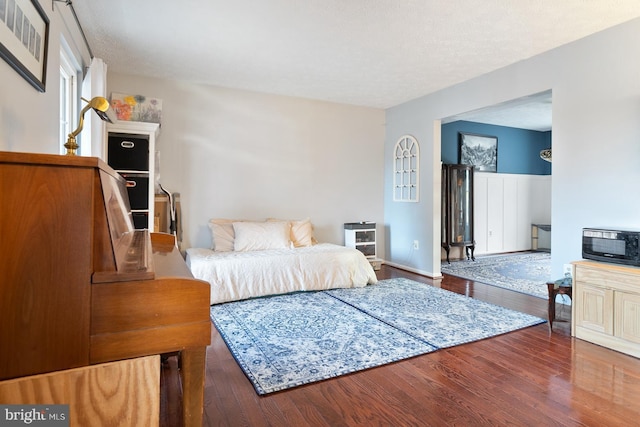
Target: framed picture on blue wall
{"x":479,"y":151}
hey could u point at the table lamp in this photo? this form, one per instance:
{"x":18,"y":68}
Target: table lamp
{"x":101,"y":106}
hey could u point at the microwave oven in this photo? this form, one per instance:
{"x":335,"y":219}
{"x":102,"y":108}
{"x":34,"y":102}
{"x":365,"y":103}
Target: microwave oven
{"x":611,"y":245}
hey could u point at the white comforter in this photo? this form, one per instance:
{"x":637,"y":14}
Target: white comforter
{"x":240,"y":275}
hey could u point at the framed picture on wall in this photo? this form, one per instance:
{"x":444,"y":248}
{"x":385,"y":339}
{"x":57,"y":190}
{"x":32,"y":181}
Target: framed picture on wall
{"x":24,"y":35}
{"x":479,"y":151}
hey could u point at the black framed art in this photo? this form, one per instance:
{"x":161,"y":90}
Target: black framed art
{"x":479,"y":151}
{"x":24,"y":38}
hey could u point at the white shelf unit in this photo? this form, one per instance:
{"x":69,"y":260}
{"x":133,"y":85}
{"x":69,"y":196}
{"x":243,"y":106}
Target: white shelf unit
{"x":362,"y":236}
{"x":127,"y":152}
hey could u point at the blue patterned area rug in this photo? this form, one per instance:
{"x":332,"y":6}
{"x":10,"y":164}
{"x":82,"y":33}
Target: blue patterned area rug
{"x":433,"y":315}
{"x":526,"y":273}
{"x":289,"y":340}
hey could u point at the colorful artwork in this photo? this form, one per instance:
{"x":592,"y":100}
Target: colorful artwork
{"x":137,"y":108}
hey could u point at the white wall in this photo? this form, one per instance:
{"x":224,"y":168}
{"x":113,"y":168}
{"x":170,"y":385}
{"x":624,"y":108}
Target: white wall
{"x":229,"y":153}
{"x":596,"y":142}
{"x":239,"y":154}
{"x":29,"y":119}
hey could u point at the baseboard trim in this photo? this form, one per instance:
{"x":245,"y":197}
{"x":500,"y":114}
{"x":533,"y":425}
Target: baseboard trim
{"x":428,"y":274}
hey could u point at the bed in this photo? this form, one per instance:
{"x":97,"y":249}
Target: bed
{"x":252,"y":259}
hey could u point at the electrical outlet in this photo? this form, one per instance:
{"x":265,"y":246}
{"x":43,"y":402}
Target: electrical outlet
{"x":416,"y":245}
{"x":567,"y":270}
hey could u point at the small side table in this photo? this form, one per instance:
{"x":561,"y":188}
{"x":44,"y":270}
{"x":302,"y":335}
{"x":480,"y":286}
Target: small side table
{"x":558,"y":287}
{"x":535,"y":231}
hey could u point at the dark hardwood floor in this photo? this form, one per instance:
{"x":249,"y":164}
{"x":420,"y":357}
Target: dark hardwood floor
{"x":529,"y":377}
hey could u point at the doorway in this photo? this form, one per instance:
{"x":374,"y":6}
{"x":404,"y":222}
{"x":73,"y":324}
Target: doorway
{"x":507,"y":202}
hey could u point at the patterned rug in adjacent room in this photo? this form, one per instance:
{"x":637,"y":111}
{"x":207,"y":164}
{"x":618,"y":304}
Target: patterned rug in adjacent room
{"x":290,"y":340}
{"x":526,"y":273}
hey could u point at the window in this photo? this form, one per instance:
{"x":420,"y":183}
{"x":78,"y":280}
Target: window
{"x":68,"y":97}
{"x":405,"y":169}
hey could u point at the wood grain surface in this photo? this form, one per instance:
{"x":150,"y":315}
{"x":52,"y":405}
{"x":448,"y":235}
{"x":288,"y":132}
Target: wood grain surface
{"x":124,"y":393}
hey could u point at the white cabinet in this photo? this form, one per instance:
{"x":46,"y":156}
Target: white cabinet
{"x":131,"y":152}
{"x":362,"y":236}
{"x":495,"y":215}
{"x":505,"y":206}
{"x":606,"y":309}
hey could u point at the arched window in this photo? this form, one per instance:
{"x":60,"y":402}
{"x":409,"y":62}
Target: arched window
{"x":406,"y":164}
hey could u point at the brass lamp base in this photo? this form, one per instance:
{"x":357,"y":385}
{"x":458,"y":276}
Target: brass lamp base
{"x":100,"y":105}
{"x":71,"y":146}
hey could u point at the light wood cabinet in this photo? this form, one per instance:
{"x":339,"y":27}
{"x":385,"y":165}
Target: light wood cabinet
{"x":627,"y":321}
{"x":596,"y":309}
{"x":606,"y":309}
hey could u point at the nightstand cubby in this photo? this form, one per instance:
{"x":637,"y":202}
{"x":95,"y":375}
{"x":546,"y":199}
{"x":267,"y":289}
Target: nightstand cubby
{"x":362,"y":236}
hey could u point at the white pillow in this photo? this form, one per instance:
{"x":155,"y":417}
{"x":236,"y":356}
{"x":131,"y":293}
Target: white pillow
{"x":258,"y":236}
{"x":222,"y":235}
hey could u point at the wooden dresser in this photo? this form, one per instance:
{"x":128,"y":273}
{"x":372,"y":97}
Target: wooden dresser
{"x":606,"y":305}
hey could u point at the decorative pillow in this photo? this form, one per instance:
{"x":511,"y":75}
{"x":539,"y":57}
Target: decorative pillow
{"x":258,"y":236}
{"x":301,"y":232}
{"x":222,"y":234}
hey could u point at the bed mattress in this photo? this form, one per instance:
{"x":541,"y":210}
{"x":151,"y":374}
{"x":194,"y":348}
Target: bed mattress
{"x":240,"y":275}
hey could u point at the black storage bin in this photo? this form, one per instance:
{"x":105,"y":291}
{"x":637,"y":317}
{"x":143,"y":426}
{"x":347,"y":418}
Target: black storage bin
{"x":140,"y":220}
{"x":138,"y":190}
{"x":367,"y":250}
{"x":128,"y":152}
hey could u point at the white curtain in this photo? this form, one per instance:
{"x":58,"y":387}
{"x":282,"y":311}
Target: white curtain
{"x":94,"y":132}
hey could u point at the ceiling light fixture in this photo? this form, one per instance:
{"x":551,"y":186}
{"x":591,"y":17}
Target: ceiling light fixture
{"x":546,"y":154}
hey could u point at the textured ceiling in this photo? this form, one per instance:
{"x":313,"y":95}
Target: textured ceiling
{"x":376,"y":53}
{"x":530,"y":112}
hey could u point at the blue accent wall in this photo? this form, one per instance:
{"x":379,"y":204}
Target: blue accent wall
{"x":518,"y":149}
